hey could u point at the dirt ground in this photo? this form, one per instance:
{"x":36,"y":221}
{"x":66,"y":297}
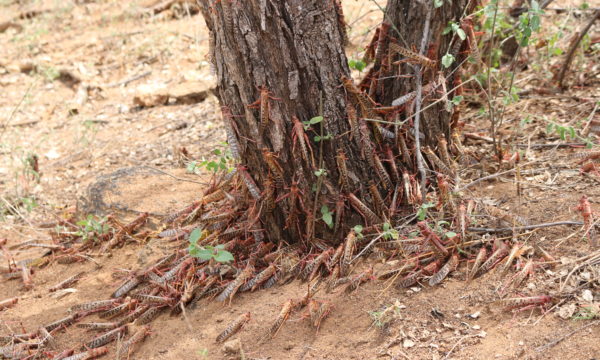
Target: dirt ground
{"x":120,"y":52}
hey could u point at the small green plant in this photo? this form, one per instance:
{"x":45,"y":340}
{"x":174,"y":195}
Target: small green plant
{"x":91,"y":227}
{"x":202,"y":352}
{"x":382,"y":318}
{"x":221,"y":163}
{"x":389,"y":232}
{"x":316,"y":120}
{"x":207,"y":252}
{"x":585,"y":313}
{"x":422,"y":212}
{"x":358,"y":231}
{"x":563,"y":131}
{"x":321,"y":172}
{"x":327,"y":216}
{"x":357,"y":64}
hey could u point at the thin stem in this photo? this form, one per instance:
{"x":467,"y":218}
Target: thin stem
{"x":489,"y":82}
{"x":418,"y":99}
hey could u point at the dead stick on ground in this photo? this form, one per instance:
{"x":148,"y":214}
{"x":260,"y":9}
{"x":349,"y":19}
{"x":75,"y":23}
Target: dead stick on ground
{"x":418,"y":99}
{"x":493,"y":176}
{"x":528,"y":227}
{"x":127,"y":81}
{"x":12,"y":114}
{"x":567,"y":335}
{"x":574,"y":46}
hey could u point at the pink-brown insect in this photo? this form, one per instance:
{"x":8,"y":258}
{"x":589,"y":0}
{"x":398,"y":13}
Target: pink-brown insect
{"x":107,"y":337}
{"x":340,"y":160}
{"x":467,"y":25}
{"x":294,"y":197}
{"x":380,"y":207}
{"x":98,"y":326}
{"x":527,"y":302}
{"x":497,"y":256}
{"x":382,"y":172}
{"x":590,"y":167}
{"x":263,"y":104}
{"x":364,"y":210}
{"x":141,"y":309}
{"x":412,"y":56}
{"x":588,"y":222}
{"x":152,"y":299}
{"x":359,"y":279}
{"x":263,"y":276}
{"x":284,"y":314}
{"x":370,"y":48}
{"x":61,"y":323}
{"x":349,"y":249}
{"x":366,"y":148}
{"x":391,"y":160}
{"x":26,"y":276}
{"x":516,"y":280}
{"x":94,"y":305}
{"x":312,"y":268}
{"x":89,"y":354}
{"x":66,"y":283}
{"x":353,"y":122}
{"x":233,"y":327}
{"x":479,"y":259}
{"x":432,"y":237}
{"x":249,"y":181}
{"x":276,"y":170}
{"x":149,"y":315}
{"x":444,"y":271}
{"x":235,"y":285}
{"x":299,"y":136}
{"x":318,"y":311}
{"x":410,"y":279}
{"x":433,"y":158}
{"x":127,"y":347}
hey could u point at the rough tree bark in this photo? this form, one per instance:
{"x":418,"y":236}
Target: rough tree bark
{"x":289,"y":55}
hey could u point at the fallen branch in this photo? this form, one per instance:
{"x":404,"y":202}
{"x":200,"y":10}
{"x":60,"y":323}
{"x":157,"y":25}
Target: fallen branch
{"x":493,"y":176}
{"x":573,"y":48}
{"x":527,"y":227}
{"x":418,"y":100}
{"x":126,"y":81}
{"x":567,"y":335}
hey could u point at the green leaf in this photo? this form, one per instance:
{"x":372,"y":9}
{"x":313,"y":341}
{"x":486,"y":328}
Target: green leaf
{"x":317,"y":138}
{"x":461,"y":34}
{"x":360,"y":65}
{"x":438,"y":3}
{"x":204,"y":254}
{"x":358,"y":229}
{"x":447,"y":60}
{"x":315,"y":120}
{"x":193,"y":250}
{"x":220,"y":247}
{"x":448,"y":28}
{"x":572,"y":132}
{"x":327,"y":216}
{"x":195,"y":235}
{"x":450,"y":234}
{"x":457,"y":99}
{"x":223,"y":256}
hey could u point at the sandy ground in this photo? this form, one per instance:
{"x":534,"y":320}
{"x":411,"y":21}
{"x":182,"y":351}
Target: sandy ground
{"x":112,"y":45}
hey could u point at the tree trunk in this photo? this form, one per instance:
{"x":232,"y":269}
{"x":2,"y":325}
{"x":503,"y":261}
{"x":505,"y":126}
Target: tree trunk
{"x":280,"y":64}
